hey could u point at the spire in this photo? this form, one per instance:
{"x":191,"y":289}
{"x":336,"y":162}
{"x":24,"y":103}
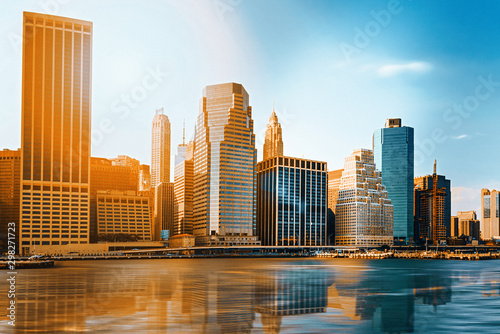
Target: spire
{"x":184,"y":132}
{"x":435,"y":167}
{"x":160,"y":111}
{"x":273,"y":115}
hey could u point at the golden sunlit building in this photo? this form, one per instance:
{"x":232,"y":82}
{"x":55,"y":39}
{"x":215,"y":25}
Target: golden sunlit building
{"x":163,"y":209}
{"x":225,"y":166}
{"x":123,"y":212}
{"x":55,"y":137}
{"x":273,"y":143}
{"x":363,"y":211}
{"x":334,"y":178}
{"x":106,"y":175}
{"x":10,"y":180}
{"x":183,"y":191}
{"x":490,"y":207}
{"x":160,"y":152}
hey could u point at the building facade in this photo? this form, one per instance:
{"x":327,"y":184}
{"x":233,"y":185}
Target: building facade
{"x":123,"y":213}
{"x":10,"y":181}
{"x":160,"y":149}
{"x":225,"y":168}
{"x":466,"y":224}
{"x":183,"y":190}
{"x":393,"y":150}
{"x":144,"y":178}
{"x":273,"y":142}
{"x":55,"y":132}
{"x":432,"y":208}
{"x":334,"y":178}
{"x":163,"y":210}
{"x":364,"y":212}
{"x":292,"y":202}
{"x":490,"y":206}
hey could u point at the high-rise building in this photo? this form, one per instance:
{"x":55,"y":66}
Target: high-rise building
{"x":291,"y":202}
{"x":123,"y":213}
{"x":163,"y":209}
{"x":225,"y":167}
{"x":126,"y":161}
{"x":273,"y":143}
{"x":183,"y":190}
{"x":490,"y":206}
{"x":334,"y":178}
{"x":106,"y":175}
{"x":393,"y":149}
{"x":432,"y":208}
{"x":466,"y":224}
{"x":160,"y":152}
{"x":55,"y":134}
{"x":364,"y":214}
{"x":10,"y":180}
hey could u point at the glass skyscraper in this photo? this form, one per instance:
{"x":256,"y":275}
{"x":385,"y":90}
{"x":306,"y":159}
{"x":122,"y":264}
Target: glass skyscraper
{"x":292,"y":202}
{"x":225,"y":168}
{"x":393,"y":149}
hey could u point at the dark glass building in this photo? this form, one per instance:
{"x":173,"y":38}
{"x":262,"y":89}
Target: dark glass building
{"x":393,"y":149}
{"x":291,"y":202}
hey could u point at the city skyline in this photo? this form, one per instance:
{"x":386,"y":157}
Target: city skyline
{"x":392,"y":83}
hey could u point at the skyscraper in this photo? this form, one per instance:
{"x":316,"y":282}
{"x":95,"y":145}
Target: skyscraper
{"x":364,"y":213}
{"x":10,"y":180}
{"x":183,"y":190}
{"x":393,"y":149}
{"x":160,"y":152}
{"x":432,"y":208}
{"x":273,"y":144}
{"x":334,"y":178}
{"x":291,"y":197}
{"x":225,"y":164}
{"x":490,"y":206}
{"x":55,"y":138}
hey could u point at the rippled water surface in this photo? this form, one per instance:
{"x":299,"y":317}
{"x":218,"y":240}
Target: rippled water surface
{"x":257,"y":296}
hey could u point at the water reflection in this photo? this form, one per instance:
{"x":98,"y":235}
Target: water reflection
{"x":243,"y":296}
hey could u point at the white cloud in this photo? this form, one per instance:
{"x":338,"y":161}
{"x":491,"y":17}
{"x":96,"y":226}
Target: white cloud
{"x":396,"y":69}
{"x":461,"y":137}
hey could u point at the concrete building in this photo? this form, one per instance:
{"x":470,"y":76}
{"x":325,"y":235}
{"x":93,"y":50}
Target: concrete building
{"x":291,"y":202}
{"x":364,"y":213}
{"x":273,"y":142}
{"x":334,"y":178}
{"x":144,"y":178}
{"x":466,"y":224}
{"x":55,"y":131}
{"x":393,"y":150}
{"x":432,"y":208}
{"x":10,"y":181}
{"x":490,"y":206}
{"x":225,"y":168}
{"x":123,"y":213}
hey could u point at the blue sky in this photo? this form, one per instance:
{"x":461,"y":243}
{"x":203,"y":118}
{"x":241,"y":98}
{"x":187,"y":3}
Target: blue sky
{"x":433,"y":64}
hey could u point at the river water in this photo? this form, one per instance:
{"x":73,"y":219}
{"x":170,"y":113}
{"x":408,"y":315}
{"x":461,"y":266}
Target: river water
{"x":257,"y":296}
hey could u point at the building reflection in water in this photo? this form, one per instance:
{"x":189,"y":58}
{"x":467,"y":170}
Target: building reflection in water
{"x":228,"y":296}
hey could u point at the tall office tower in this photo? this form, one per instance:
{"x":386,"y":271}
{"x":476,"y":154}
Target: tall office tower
{"x":364,"y":213}
{"x":183,"y":190}
{"x":466,"y":224}
{"x":393,"y":149}
{"x":490,"y":206}
{"x":123,"y":213}
{"x":334,"y":178}
{"x":160,"y":152}
{"x":432,"y":208}
{"x":55,"y":138}
{"x":10,"y":180}
{"x":291,"y":202}
{"x":273,"y":144}
{"x":106,"y":175}
{"x":144,"y":178}
{"x":163,"y":210}
{"x":225,"y":168}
